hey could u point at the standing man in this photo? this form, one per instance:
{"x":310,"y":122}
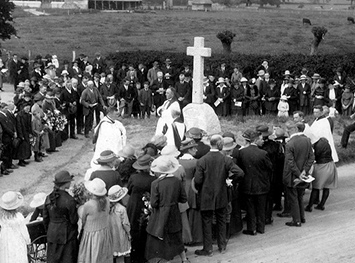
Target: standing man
{"x":69,"y":97}
{"x":14,"y":70}
{"x":152,"y":72}
{"x":257,"y":169}
{"x":90,"y":99}
{"x":8,"y":135}
{"x":304,"y":90}
{"x":299,"y":158}
{"x":212,"y":171}
{"x":99,"y":64}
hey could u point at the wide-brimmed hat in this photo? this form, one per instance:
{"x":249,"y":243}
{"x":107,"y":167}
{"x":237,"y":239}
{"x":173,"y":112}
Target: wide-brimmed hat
{"x":96,"y":187}
{"x":21,"y":85}
{"x":283,"y":97}
{"x":38,"y":200}
{"x":165,"y":164}
{"x":126,"y":152}
{"x":170,"y":150}
{"x":250,"y":135}
{"x":287,"y":72}
{"x":116,"y":193}
{"x":316,"y":76}
{"x":303,"y":77}
{"x":159,"y":140}
{"x":187,"y":144}
{"x":64,"y":72}
{"x":264,"y":130}
{"x":143,"y":162}
{"x":261,"y":72}
{"x":106,"y":156}
{"x":11,"y":200}
{"x":220,"y":80}
{"x":228,"y":144}
{"x":194,"y":133}
{"x":243,"y":79}
{"x":63,"y":177}
{"x":228,"y":134}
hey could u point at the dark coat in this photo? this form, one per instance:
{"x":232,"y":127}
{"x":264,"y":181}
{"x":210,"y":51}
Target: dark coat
{"x":127,"y":94}
{"x":304,"y":93}
{"x":257,"y":169}
{"x":202,"y":149}
{"x":24,"y":129}
{"x":145,"y":97}
{"x":210,"y":93}
{"x":108,"y":90}
{"x":212,"y":170}
{"x":165,"y":195}
{"x":275,"y":96}
{"x":68,"y":98}
{"x":8,"y":128}
{"x":322,"y":151}
{"x":61,"y":222}
{"x":109,"y":176}
{"x":88,"y":97}
{"x":299,"y":156}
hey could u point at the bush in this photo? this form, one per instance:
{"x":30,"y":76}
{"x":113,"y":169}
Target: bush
{"x":325,"y":65}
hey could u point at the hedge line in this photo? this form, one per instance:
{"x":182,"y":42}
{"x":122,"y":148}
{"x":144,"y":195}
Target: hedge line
{"x":325,"y":65}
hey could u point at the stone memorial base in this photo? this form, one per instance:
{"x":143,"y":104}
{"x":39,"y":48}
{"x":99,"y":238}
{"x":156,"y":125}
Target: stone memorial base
{"x":201,"y":116}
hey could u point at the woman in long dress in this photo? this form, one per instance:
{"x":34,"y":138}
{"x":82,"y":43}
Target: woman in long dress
{"x":324,"y":172}
{"x":165,"y":227}
{"x":96,"y":239}
{"x":14,"y":235}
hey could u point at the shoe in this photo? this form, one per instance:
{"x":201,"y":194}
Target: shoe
{"x":14,"y":166}
{"x":319,"y":207}
{"x":269,"y":221}
{"x":5,"y":172}
{"x":74,"y":137}
{"x":222,"y":250}
{"x":249,"y":232}
{"x":42,"y":154}
{"x":201,"y":252}
{"x":9,"y":170}
{"x":308,"y":208}
{"x":38,"y":160}
{"x":297,"y":224}
{"x":303,"y":220}
{"x":283,"y":214}
{"x":24,"y":162}
{"x":21,"y":164}
{"x":260,"y":231}
{"x":277,"y":208}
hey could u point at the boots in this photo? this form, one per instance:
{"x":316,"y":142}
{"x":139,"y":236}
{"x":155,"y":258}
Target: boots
{"x":38,"y":158}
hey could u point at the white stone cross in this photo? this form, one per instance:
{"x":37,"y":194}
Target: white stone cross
{"x":199,"y":52}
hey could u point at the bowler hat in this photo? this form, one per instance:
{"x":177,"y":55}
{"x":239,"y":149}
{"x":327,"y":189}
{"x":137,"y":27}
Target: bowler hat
{"x":220,"y":80}
{"x":11,"y":200}
{"x":143,"y":162}
{"x":263,"y":129}
{"x":250,"y":135}
{"x":63,"y":177}
{"x":194,"y":133}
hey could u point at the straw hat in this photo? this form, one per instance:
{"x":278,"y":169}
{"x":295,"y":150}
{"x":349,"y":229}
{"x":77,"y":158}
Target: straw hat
{"x":287,"y":72}
{"x":96,"y":187}
{"x":106,"y":157}
{"x":170,"y":150}
{"x":11,"y":200}
{"x":250,"y":135}
{"x":126,"y":152}
{"x":220,"y":80}
{"x":303,"y":77}
{"x":159,"y":140}
{"x":187,"y":144}
{"x":116,"y":193}
{"x":228,"y":144}
{"x":143,"y":162}
{"x":38,"y":200}
{"x":63,"y":177}
{"x":165,"y":164}
{"x":261,"y":72}
{"x":316,"y":76}
{"x":243,"y":79}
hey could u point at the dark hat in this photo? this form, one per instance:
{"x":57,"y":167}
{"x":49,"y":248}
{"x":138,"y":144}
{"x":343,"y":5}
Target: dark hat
{"x":272,"y":82}
{"x":38,"y":57}
{"x":250,"y":135}
{"x":263,"y":129}
{"x":304,"y":71}
{"x":229,"y":134}
{"x":167,"y":61}
{"x":150,"y":149}
{"x":36,"y":65}
{"x":24,"y":58}
{"x":187,"y":144}
{"x":322,"y":81}
{"x":65,"y":62}
{"x":37,"y":97}
{"x":106,"y":157}
{"x":194,"y":133}
{"x":143,"y":162}
{"x":63,"y":177}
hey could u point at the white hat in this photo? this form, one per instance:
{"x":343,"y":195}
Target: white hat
{"x":220,"y":80}
{"x":64,"y":72}
{"x":159,"y":74}
{"x":116,"y":193}
{"x":261,"y":72}
{"x":165,"y":164}
{"x":283,"y":97}
{"x":38,"y":200}
{"x":303,"y":77}
{"x":170,"y":150}
{"x":96,"y":187}
{"x":228,"y":144}
{"x":287,"y":72}
{"x":11,"y":200}
{"x":243,"y":79}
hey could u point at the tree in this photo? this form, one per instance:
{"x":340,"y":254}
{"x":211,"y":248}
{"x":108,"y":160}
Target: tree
{"x":6,"y":28}
{"x":226,"y":38}
{"x":318,"y":33}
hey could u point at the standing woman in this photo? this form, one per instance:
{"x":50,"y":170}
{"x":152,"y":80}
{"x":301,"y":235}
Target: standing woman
{"x":24,"y":130}
{"x":60,"y":220}
{"x":165,"y":227}
{"x":14,"y":235}
{"x":324,"y":172}
{"x":96,"y":238}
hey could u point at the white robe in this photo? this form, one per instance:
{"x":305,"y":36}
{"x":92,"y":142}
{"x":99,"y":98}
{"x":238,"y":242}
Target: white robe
{"x":321,"y":128}
{"x":112,"y":136}
{"x":165,"y":115}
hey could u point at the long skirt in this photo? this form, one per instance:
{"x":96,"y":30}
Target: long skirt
{"x":171,"y":246}
{"x":67,"y":253}
{"x":195,"y":221}
{"x":326,"y":176}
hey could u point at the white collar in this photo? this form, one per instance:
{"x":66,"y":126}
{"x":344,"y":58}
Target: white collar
{"x":296,"y":134}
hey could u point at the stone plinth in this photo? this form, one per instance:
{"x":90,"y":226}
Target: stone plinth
{"x":201,"y":116}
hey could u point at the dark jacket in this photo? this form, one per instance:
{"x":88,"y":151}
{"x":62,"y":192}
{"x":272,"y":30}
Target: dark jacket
{"x":322,"y":151}
{"x":257,"y":168}
{"x":212,"y":170}
{"x":110,"y":177}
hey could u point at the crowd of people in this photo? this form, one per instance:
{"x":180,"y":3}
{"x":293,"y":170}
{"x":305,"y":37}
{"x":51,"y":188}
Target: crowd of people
{"x":183,"y":187}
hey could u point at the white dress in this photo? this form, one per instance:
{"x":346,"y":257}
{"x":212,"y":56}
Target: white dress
{"x":14,"y":238}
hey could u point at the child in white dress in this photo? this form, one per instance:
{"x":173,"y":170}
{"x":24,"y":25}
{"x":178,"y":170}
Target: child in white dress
{"x":283,"y":107}
{"x":119,"y":223}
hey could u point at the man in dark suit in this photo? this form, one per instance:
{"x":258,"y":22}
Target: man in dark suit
{"x":142,"y":74}
{"x":257,"y":168}
{"x":109,"y":91}
{"x":90,"y":99}
{"x":126,"y":95}
{"x":304,"y":90}
{"x":79,"y":88}
{"x":70,"y":99}
{"x":14,"y":70}
{"x":99,"y":64}
{"x":299,"y":158}
{"x":212,"y":170}
{"x":8,"y":134}
{"x":183,"y":91}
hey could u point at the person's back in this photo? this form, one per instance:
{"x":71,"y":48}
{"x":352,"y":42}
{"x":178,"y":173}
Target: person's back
{"x":109,"y":176}
{"x":95,"y":219}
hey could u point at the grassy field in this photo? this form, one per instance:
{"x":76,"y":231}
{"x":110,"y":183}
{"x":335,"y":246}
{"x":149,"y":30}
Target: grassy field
{"x":268,"y":31}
